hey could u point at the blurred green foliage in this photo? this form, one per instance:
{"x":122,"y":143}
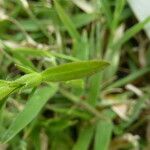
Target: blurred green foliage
{"x":106,"y":111}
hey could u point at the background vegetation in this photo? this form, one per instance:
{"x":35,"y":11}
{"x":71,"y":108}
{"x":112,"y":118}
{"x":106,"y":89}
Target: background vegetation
{"x":108,"y":110}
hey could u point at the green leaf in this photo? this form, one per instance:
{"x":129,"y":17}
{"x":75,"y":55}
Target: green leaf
{"x":41,"y":53}
{"x":79,"y":43}
{"x":5,"y":91}
{"x":17,"y":57}
{"x":32,"y":52}
{"x":73,"y":70}
{"x":95,"y":86}
{"x":25,"y":69}
{"x":59,"y":124}
{"x":31,"y":110}
{"x":84,"y":138}
{"x":103,"y":135}
{"x":74,"y":113}
{"x":116,"y":18}
{"x":104,"y":129}
{"x":131,"y":32}
{"x":106,"y":10}
{"x":129,"y":78}
{"x":30,"y":80}
{"x":67,"y":21}
{"x":83,"y":19}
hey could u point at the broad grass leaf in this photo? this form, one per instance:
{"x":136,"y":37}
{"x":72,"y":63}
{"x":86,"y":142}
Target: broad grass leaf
{"x":31,"y":110}
{"x":103,"y":135}
{"x":75,"y":70}
{"x":84,"y":139}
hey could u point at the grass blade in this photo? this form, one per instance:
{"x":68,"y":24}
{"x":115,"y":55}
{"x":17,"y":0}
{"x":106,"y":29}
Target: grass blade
{"x":17,"y":57}
{"x":41,"y":53}
{"x":129,"y":78}
{"x":103,"y":135}
{"x":131,"y":32}
{"x":73,"y":70}
{"x":107,"y":11}
{"x":94,"y":88}
{"x":67,"y":21}
{"x":31,"y":110}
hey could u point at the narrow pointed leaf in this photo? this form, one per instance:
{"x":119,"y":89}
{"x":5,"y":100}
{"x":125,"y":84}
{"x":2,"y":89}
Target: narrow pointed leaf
{"x":103,"y":135}
{"x":84,"y":138}
{"x":31,"y":110}
{"x":67,"y":21}
{"x":73,"y":70}
{"x":131,"y":32}
{"x":25,"y":69}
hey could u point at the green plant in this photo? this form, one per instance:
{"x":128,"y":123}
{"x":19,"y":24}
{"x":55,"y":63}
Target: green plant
{"x":65,"y":72}
{"x":47,"y":49}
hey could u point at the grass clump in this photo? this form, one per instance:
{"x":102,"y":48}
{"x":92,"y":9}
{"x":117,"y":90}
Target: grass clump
{"x":53,"y":92}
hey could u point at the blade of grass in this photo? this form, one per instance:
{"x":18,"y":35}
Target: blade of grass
{"x":103,"y":135}
{"x":76,"y":100}
{"x":107,"y":11}
{"x":84,"y":139}
{"x":129,"y":78}
{"x":31,"y":110}
{"x":41,"y":53}
{"x":116,"y":18}
{"x":83,"y":19}
{"x":25,"y":5}
{"x":63,"y":72}
{"x":104,"y":129}
{"x":81,"y":48}
{"x":113,"y":54}
{"x":73,"y":70}
{"x":131,"y":32}
{"x":25,"y":69}
{"x":67,"y":21}
{"x":74,"y":112}
{"x":79,"y":43}
{"x":94,"y":88}
{"x":17,"y":58}
{"x":95,"y":80}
